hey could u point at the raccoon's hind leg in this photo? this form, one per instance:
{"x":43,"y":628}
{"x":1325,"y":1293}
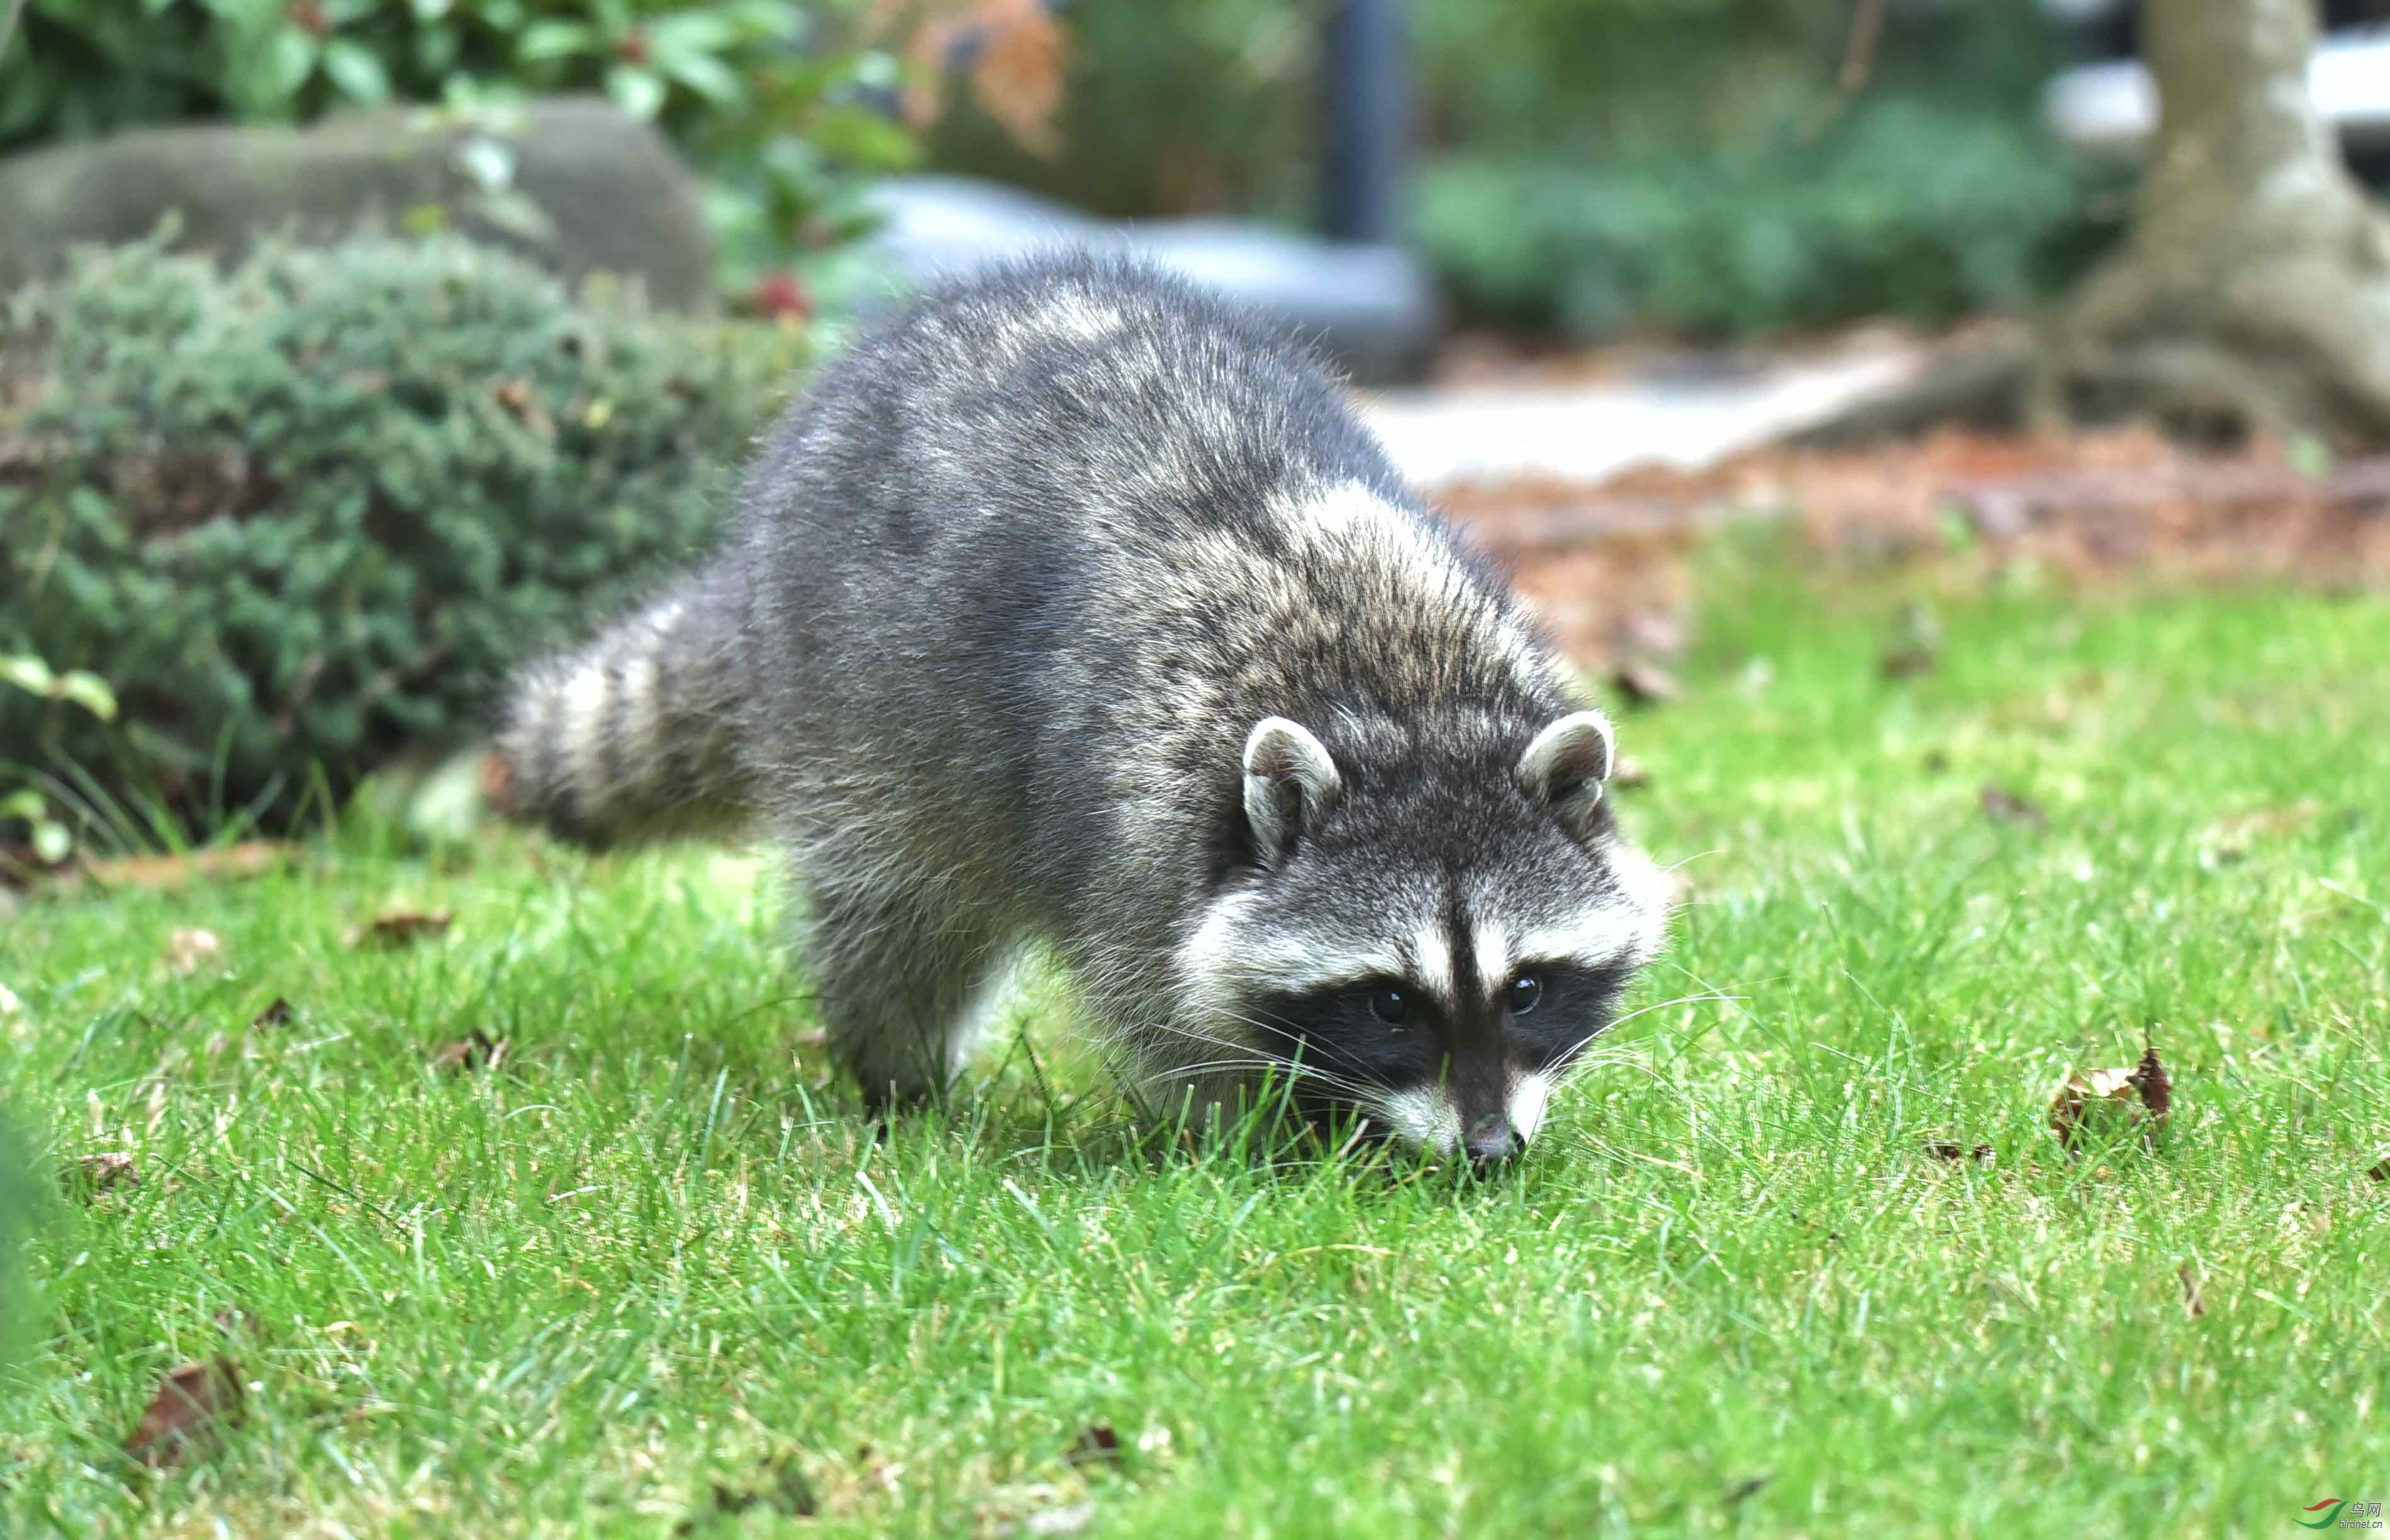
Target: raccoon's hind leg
{"x":905,"y":979}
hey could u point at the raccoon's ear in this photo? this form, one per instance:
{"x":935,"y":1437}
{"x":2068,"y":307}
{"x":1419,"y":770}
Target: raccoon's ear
{"x":1289,"y":784}
{"x":1565,"y":767}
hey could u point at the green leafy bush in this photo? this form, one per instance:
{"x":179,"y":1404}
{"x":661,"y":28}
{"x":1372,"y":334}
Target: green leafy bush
{"x":1709,"y":166}
{"x":311,"y":510}
{"x":1725,"y":166}
{"x":765,"y":96}
{"x":1905,"y":208}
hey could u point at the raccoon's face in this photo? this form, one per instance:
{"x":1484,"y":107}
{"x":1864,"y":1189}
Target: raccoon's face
{"x":1429,"y":927}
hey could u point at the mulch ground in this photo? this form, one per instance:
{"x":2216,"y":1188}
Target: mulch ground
{"x":1607,"y":561}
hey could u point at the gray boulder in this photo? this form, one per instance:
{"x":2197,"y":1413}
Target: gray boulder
{"x":1369,"y":307}
{"x":572,"y":183}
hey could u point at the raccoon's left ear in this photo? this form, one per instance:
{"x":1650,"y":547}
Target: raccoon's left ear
{"x":1565,"y":767}
{"x":1289,"y":784}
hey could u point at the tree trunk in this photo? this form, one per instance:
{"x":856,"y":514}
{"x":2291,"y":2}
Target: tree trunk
{"x":2253,"y":295}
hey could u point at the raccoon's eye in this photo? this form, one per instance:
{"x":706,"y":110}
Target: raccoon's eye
{"x":1526,"y":992}
{"x":1390,"y":1006}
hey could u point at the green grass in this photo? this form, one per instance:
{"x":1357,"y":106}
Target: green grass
{"x":1730,"y":1290}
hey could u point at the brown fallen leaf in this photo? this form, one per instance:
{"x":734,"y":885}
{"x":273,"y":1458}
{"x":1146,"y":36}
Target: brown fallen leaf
{"x":2143,"y":1094}
{"x":1644,"y":684}
{"x":2272,"y":820}
{"x":1629,"y":773}
{"x":1097,"y":1444}
{"x":189,"y":948}
{"x":274,"y":1015}
{"x":185,"y":1419}
{"x":2381,"y":1170}
{"x":479,"y":1051}
{"x":2003,"y":806}
{"x":787,"y":1493}
{"x":2156,"y":1085}
{"x":399,"y":928}
{"x":1947,"y":1150}
{"x":2191,"y":1297}
{"x":1746,"y":1487}
{"x":104,"y":1172}
{"x":1908,"y":662}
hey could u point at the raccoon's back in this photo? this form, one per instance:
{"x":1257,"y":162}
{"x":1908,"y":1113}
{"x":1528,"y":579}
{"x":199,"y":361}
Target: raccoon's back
{"x":1044,"y":549}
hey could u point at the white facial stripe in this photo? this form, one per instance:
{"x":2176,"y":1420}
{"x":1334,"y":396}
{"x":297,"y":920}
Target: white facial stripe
{"x":1206,"y":955}
{"x":1434,"y":964}
{"x":1424,"y":1119}
{"x":1220,"y":949}
{"x":1491,"y":952}
{"x":1530,"y":1094}
{"x":1601,"y":938}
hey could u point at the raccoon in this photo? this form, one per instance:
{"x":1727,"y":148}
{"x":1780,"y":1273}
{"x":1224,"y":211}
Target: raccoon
{"x":1071,"y":610}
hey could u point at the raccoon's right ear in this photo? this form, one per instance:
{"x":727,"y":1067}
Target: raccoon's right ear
{"x":1289,"y":784}
{"x":1565,"y":767}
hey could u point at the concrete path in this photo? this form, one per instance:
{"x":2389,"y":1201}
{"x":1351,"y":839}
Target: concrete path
{"x":1588,"y":433}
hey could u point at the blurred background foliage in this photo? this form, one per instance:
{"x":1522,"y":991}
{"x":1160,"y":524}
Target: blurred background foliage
{"x":1700,"y":167}
{"x":1729,"y":166}
{"x":777,"y":103}
{"x":423,"y":492}
{"x":1703,"y":167}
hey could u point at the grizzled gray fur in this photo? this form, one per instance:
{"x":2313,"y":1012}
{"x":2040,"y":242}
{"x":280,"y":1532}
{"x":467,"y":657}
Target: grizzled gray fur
{"x":1069,"y":611}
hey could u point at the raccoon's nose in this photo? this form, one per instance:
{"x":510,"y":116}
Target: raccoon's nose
{"x":1492,"y":1140}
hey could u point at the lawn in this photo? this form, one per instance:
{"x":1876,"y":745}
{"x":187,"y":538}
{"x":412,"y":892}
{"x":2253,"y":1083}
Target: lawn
{"x":648,"y":1274}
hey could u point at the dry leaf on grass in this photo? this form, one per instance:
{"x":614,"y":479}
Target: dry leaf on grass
{"x":787,"y":1493}
{"x":185,"y":1419}
{"x":2004,"y":806}
{"x":103,"y":1172}
{"x":189,"y":948}
{"x":1908,"y":662}
{"x":1097,"y":1444}
{"x":1644,"y":684}
{"x":479,"y":1051}
{"x":274,"y":1015}
{"x":2230,"y":837}
{"x":1629,"y":773}
{"x":2379,"y":1171}
{"x":399,"y":928}
{"x":2140,"y":1097}
{"x":2191,"y":1300}
{"x":1947,"y":1150}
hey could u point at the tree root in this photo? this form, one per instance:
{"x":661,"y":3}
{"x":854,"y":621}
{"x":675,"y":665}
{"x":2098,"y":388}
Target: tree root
{"x":2295,"y":344}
